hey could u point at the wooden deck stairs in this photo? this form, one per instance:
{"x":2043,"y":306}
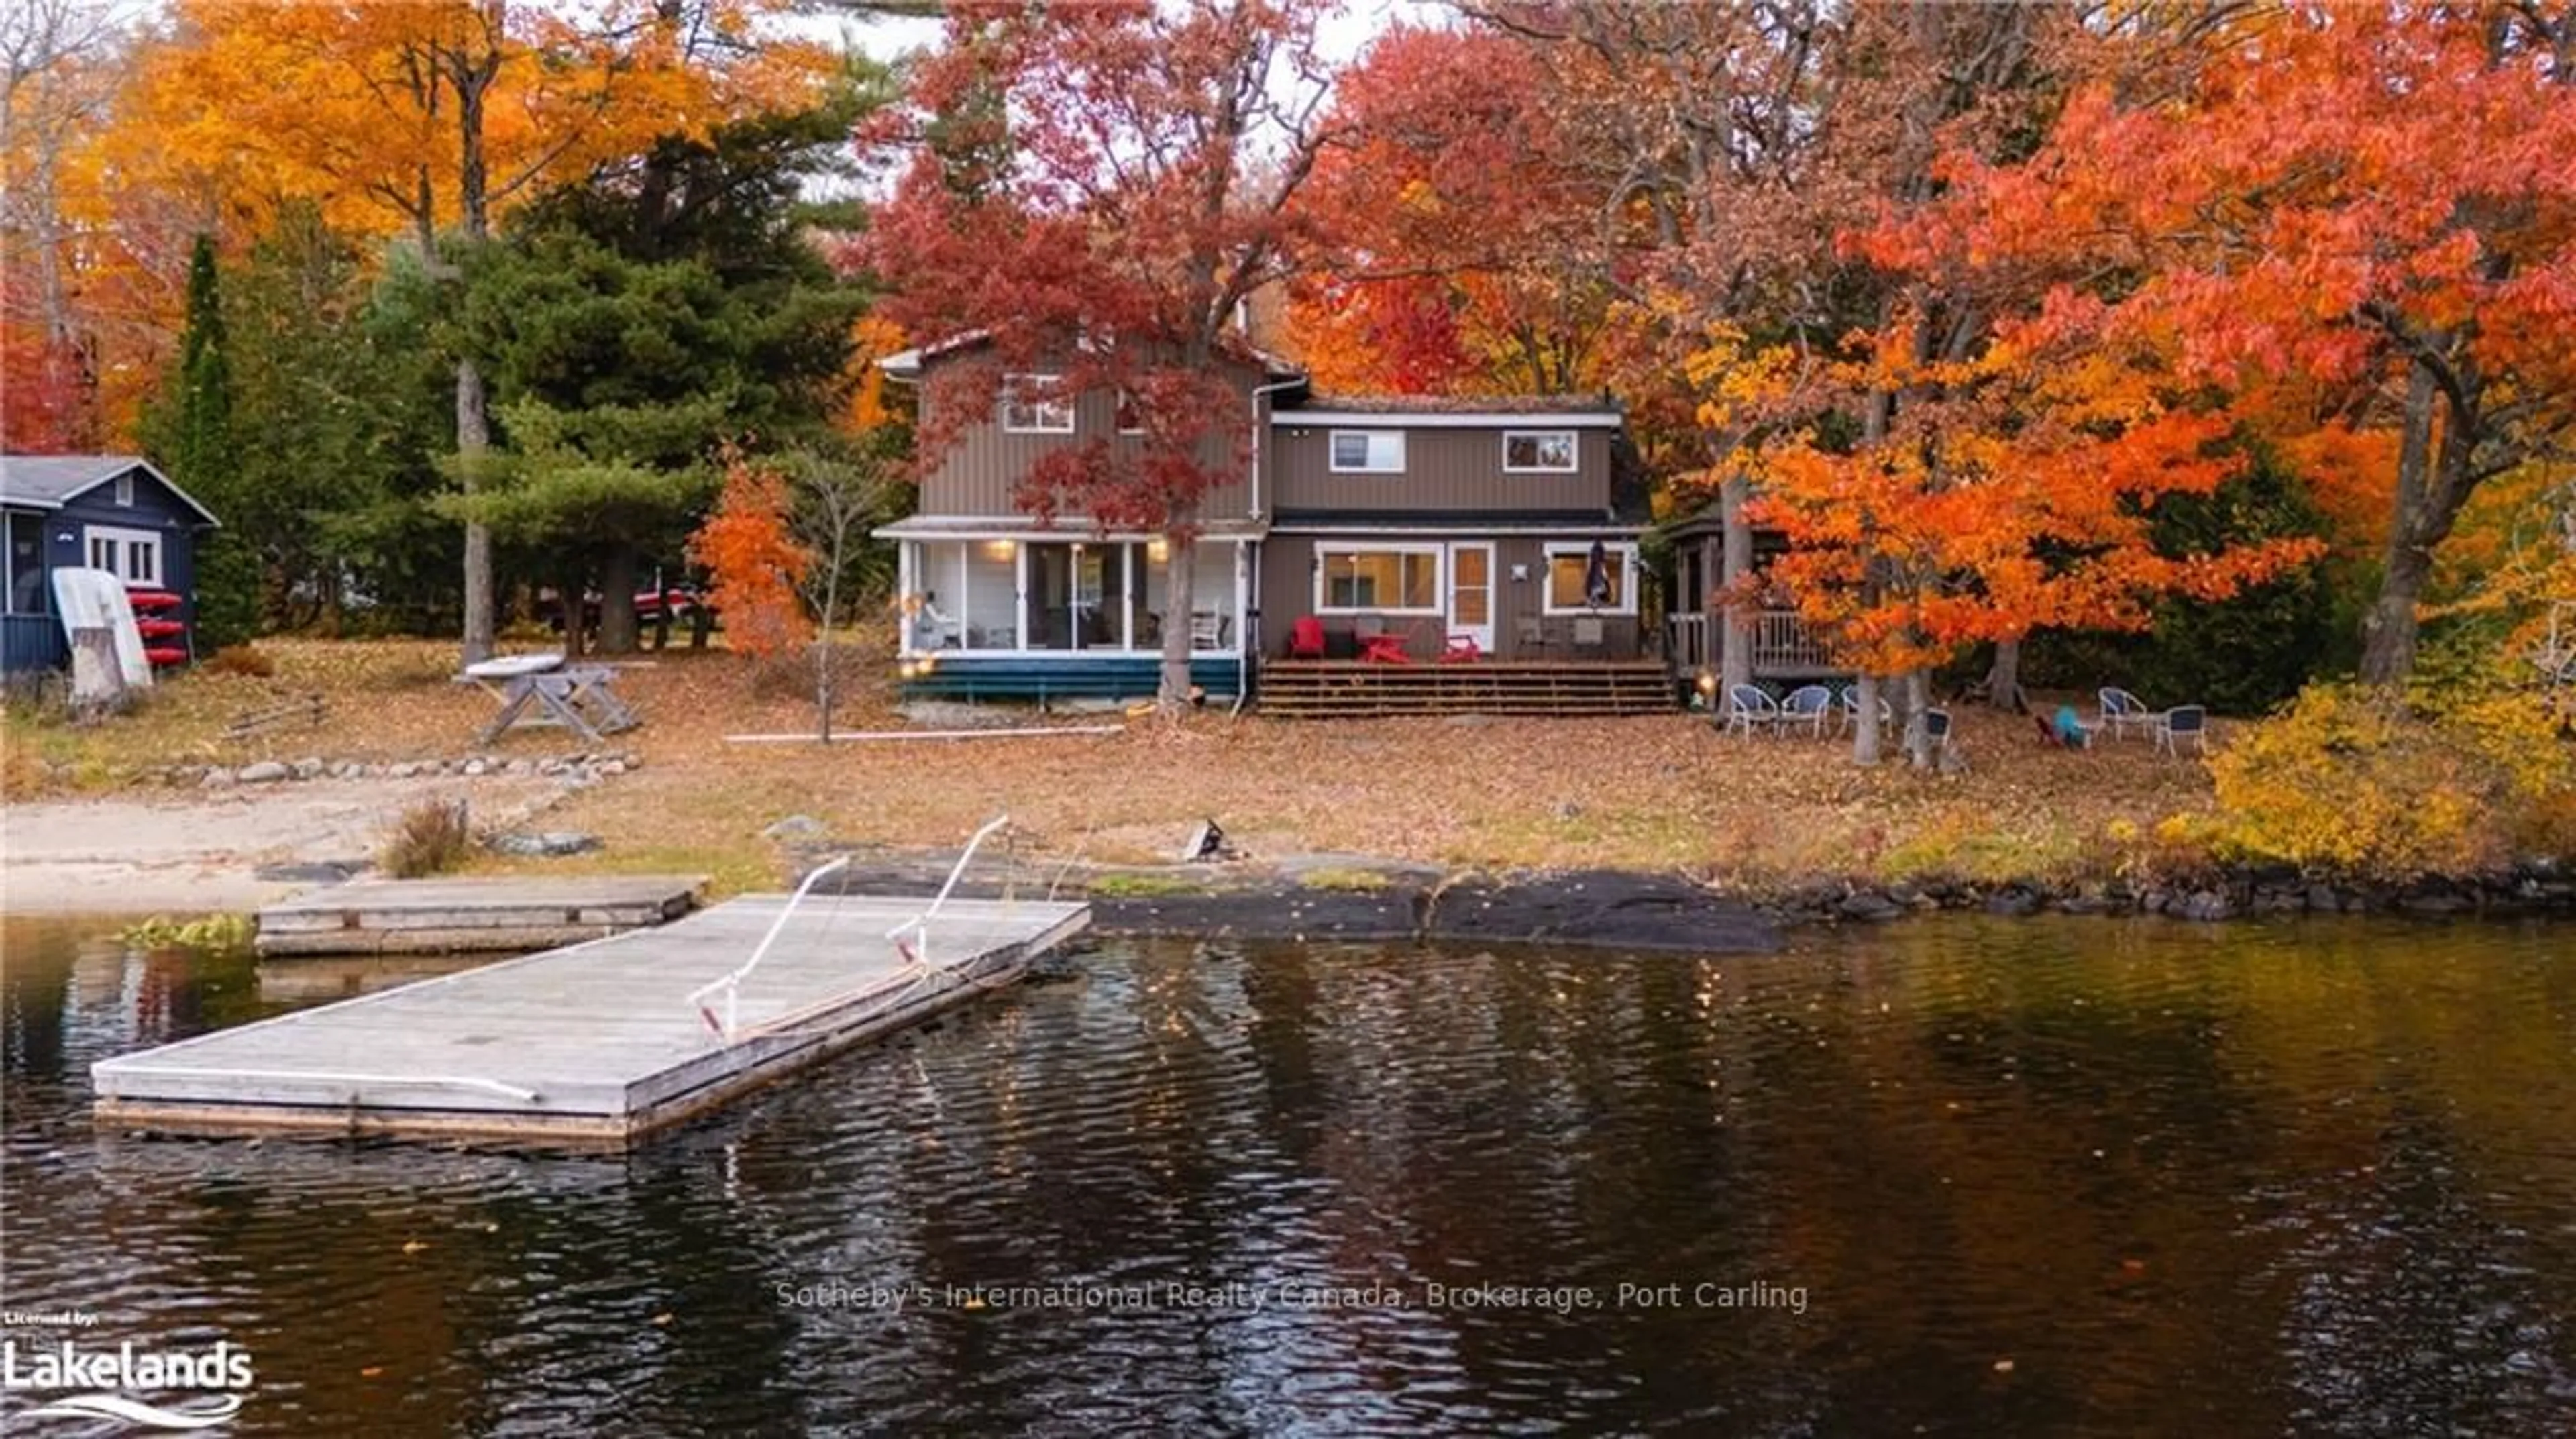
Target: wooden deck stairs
{"x":1347,"y":689}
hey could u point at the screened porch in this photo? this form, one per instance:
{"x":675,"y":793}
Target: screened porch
{"x":999,"y":595}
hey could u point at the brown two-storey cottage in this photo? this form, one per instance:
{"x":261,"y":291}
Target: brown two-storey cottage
{"x":1394,"y":531}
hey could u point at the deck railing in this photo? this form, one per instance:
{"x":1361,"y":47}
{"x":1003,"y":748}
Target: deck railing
{"x":1782,"y":644}
{"x":1689,"y":645}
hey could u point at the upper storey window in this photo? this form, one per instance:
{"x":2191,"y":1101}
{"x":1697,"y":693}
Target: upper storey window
{"x":1538,"y":451}
{"x":1028,"y":409}
{"x":1370,"y":452}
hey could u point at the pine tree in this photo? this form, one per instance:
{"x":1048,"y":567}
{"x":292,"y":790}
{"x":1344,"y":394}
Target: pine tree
{"x":201,"y":458}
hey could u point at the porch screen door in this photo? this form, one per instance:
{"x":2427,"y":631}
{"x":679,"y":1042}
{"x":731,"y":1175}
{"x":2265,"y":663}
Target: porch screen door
{"x":1471,"y":593}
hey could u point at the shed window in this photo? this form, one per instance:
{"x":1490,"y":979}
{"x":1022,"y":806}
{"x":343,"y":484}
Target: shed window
{"x":133,"y":556}
{"x":1372,"y":452}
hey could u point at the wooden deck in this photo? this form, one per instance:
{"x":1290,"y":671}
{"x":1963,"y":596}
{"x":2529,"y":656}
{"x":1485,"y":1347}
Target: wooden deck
{"x":440,"y":916}
{"x":592,"y":1046}
{"x":1334,"y":689}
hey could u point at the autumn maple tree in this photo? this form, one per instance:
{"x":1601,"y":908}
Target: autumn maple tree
{"x":1094,"y":192}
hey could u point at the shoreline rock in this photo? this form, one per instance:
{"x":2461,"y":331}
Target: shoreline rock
{"x":1356,"y":898}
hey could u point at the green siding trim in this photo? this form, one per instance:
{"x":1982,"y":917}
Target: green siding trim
{"x":1070,"y":676}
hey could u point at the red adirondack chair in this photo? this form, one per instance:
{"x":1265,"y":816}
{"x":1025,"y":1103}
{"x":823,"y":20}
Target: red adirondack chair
{"x":1306,"y":638}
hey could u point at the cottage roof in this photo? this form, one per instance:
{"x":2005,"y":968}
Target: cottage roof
{"x":48,"y":482}
{"x":1399,"y":405}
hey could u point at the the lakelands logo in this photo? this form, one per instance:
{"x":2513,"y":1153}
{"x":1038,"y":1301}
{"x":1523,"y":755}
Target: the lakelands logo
{"x":43,"y":1372}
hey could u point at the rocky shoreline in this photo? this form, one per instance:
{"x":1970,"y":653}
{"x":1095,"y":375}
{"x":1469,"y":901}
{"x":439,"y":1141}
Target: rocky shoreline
{"x":2535,"y":889}
{"x":1351,"y":898}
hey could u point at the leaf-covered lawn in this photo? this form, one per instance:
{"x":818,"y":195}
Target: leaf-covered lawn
{"x":1659,"y":792}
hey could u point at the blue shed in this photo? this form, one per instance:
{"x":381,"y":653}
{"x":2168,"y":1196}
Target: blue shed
{"x":108,"y":512}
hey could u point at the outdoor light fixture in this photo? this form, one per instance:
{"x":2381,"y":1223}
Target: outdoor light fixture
{"x":1707,"y":683}
{"x":999,"y":549}
{"x":1157,"y":550}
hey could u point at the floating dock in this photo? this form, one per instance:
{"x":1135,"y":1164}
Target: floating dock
{"x":599,"y":1044}
{"x":445,"y":916}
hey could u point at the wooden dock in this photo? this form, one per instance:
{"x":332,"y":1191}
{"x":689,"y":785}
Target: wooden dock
{"x":596,"y":1045}
{"x":446,"y":916}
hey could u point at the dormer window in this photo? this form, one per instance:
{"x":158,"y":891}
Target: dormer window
{"x":1368,"y":452}
{"x":1028,"y":409}
{"x":1538,"y":452}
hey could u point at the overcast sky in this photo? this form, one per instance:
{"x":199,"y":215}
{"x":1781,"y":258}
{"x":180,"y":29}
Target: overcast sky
{"x":1341,"y":36}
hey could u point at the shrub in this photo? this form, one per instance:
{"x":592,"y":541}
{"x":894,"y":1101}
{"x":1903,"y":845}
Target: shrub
{"x":241,"y":660}
{"x":430,"y":838}
{"x":2349,"y":781}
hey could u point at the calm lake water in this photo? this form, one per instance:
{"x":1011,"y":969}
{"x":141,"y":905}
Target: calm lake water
{"x":1954,"y":1177}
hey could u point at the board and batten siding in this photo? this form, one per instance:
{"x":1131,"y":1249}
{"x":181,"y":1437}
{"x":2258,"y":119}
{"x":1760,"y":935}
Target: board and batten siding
{"x":980,"y":475}
{"x":1444,"y":469}
{"x":1288,"y":591}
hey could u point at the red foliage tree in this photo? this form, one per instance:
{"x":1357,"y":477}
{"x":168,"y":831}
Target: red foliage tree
{"x":1095,"y":190}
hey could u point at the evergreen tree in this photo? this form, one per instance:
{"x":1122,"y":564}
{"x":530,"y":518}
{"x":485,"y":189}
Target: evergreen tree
{"x":633,"y":325}
{"x":199,"y":454}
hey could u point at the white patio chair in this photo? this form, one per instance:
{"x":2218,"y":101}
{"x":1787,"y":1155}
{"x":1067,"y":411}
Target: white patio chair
{"x":1847,"y":711}
{"x":1807,"y":705}
{"x":1749,"y":708}
{"x":2123,"y":712}
{"x":2183,"y":722}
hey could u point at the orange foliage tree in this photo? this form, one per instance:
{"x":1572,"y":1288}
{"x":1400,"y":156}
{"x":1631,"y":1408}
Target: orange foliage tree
{"x":2380,"y":199}
{"x":754,"y":562}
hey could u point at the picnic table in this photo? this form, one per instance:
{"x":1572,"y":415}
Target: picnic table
{"x":541,"y":689}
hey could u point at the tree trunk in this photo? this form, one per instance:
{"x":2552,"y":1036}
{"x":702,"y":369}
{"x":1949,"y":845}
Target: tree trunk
{"x":473,"y":441}
{"x":1180,"y":573}
{"x":702,"y":623}
{"x":618,"y":629}
{"x":2388,"y":628}
{"x":1735,"y":566}
{"x":569,"y":590}
{"x":1865,"y":736}
{"x":1917,"y":689}
{"x":2003,"y":679}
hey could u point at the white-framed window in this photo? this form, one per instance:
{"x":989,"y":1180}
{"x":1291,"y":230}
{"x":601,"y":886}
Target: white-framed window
{"x":1379,"y":579}
{"x":1027,"y":409}
{"x":1131,"y":418}
{"x":133,"y":556}
{"x":1367,"y":452}
{"x":1569,"y":569}
{"x":125,"y":489}
{"x":1538,"y":452}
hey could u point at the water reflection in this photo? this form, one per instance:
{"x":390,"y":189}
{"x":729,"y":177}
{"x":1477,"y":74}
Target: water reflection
{"x":2310,"y":1179}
